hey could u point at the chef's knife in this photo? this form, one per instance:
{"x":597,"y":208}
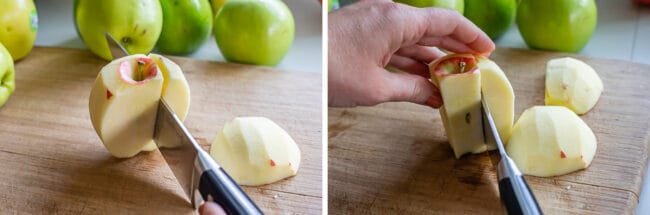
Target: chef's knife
{"x":515,"y":193}
{"x":193,"y":167}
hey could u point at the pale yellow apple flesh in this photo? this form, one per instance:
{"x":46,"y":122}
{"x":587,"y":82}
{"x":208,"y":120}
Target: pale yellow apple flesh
{"x":461,"y":78}
{"x":123,"y":104}
{"x":573,"y":84}
{"x":499,"y":96}
{"x":551,"y":140}
{"x":256,"y":151}
{"x":123,"y":111}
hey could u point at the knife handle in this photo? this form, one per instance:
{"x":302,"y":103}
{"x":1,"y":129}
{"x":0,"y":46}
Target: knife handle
{"x":218,"y":185}
{"x":517,"y":197}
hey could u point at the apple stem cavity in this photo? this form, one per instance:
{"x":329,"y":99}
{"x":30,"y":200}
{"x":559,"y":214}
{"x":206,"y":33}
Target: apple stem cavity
{"x":145,"y":69}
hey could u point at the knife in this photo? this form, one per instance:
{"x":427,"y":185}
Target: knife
{"x":515,"y":194}
{"x":193,"y":167}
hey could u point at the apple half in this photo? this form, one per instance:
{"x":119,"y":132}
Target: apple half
{"x":573,"y":84}
{"x":551,"y":140}
{"x":461,"y":78}
{"x":256,"y":151}
{"x":124,"y":99}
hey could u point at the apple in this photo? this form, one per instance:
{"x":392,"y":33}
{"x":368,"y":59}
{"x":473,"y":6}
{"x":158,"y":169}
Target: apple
{"x":136,"y":24}
{"x":494,"y":17}
{"x":19,"y":25}
{"x":216,"y":6}
{"x":557,"y":25}
{"x":7,"y":81}
{"x":551,"y":140}
{"x":573,"y":84}
{"x":461,"y":78}
{"x":255,"y":151}
{"x":124,"y":99}
{"x":254,"y":31}
{"x":458,"y":5}
{"x":186,"y":26}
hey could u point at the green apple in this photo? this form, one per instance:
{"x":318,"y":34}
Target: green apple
{"x":19,"y":25}
{"x":492,"y":16}
{"x":136,"y":24}
{"x":254,"y":31}
{"x":186,"y":26}
{"x":557,"y":25}
{"x":216,"y":5}
{"x":457,"y":5}
{"x":7,"y":82}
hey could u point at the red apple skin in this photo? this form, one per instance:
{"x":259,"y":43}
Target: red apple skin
{"x":644,"y":2}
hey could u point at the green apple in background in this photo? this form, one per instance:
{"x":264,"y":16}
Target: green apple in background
{"x":7,"y":82}
{"x":216,"y":5}
{"x":254,"y":31}
{"x":136,"y":24}
{"x":557,"y":25}
{"x":457,"y":5}
{"x":493,"y":16}
{"x":19,"y":25}
{"x":186,"y":26}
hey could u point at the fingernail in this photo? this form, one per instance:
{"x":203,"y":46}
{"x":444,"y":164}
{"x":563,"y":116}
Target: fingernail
{"x":434,"y":101}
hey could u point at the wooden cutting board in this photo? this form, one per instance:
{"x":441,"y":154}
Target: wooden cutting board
{"x":51,"y":160}
{"x":395,"y":158}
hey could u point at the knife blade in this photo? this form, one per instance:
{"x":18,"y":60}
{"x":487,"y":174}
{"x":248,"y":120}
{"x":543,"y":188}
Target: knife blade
{"x":515,"y":194}
{"x":192,"y":166}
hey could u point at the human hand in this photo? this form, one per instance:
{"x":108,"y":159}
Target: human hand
{"x":369,"y":35}
{"x":211,"y":208}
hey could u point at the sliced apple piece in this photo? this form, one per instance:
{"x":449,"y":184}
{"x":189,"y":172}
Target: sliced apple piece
{"x":123,"y":104}
{"x":124,"y":99}
{"x":499,"y":97}
{"x":256,"y":151}
{"x":551,"y":140}
{"x":458,"y":78}
{"x":573,"y":84}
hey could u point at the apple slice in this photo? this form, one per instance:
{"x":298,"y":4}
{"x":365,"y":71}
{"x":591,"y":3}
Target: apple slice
{"x":256,"y":151}
{"x":499,"y":97}
{"x":7,"y":79}
{"x":459,"y":80}
{"x":551,"y":140}
{"x":124,"y":100}
{"x":573,"y":84}
{"x":123,"y":104}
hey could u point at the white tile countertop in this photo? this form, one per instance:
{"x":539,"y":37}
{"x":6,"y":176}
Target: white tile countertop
{"x":56,"y":28}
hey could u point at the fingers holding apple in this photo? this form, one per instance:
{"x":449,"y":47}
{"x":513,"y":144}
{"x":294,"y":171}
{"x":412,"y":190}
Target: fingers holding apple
{"x":136,"y":24}
{"x":7,"y":81}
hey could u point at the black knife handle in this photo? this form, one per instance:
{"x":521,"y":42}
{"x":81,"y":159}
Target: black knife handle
{"x":217,"y":184}
{"x":522,"y":202}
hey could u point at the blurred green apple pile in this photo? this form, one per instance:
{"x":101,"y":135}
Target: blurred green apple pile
{"x":18,"y":28}
{"x":247,"y":31}
{"x":555,"y":25}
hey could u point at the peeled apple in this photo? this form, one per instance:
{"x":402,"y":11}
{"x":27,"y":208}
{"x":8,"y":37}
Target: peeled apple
{"x":573,"y":84}
{"x":124,"y":99}
{"x":461,"y":78}
{"x":256,"y":151}
{"x":551,"y":140}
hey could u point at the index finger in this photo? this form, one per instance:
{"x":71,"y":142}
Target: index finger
{"x":449,"y":30}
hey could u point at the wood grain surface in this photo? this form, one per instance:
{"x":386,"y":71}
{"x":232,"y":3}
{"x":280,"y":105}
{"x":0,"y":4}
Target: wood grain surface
{"x":395,"y":159}
{"x":52,"y":162}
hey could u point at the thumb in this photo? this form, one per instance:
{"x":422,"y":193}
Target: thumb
{"x":412,"y":88}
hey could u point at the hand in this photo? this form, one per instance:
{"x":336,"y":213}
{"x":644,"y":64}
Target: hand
{"x":211,"y":208}
{"x":367,"y":36}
